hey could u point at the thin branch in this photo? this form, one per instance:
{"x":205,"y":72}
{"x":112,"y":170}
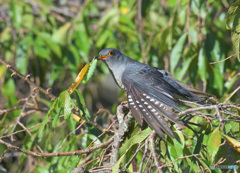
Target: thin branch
{"x":224,"y":59}
{"x":211,"y":107}
{"x":144,"y":155}
{"x":155,"y":157}
{"x":79,"y":126}
{"x":183,"y":157}
{"x":134,"y":155}
{"x":26,"y":78}
{"x":28,"y":131}
{"x":69,"y":153}
{"x":230,"y":96}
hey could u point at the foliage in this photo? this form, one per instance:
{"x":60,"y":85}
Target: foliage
{"x":52,"y":42}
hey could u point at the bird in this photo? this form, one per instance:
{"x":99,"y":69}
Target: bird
{"x":152,"y":93}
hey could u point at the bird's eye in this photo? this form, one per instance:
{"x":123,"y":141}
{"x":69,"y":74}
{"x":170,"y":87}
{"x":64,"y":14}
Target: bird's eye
{"x":111,"y":53}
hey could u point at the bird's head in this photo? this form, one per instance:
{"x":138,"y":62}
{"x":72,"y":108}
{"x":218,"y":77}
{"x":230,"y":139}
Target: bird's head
{"x":110,"y":55}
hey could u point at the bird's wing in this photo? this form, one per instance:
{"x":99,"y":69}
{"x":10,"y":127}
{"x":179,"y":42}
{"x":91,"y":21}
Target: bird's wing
{"x":152,"y":103}
{"x":187,"y":87}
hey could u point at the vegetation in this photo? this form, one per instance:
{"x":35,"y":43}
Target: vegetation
{"x":49,"y":42}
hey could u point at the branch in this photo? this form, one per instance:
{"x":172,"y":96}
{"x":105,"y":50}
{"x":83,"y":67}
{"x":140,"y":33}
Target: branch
{"x":211,"y":107}
{"x":183,"y":157}
{"x":69,"y":153}
{"x":25,"y":78}
{"x":151,"y":140}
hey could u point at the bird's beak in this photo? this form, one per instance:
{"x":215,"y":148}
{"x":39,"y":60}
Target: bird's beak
{"x":100,"y":57}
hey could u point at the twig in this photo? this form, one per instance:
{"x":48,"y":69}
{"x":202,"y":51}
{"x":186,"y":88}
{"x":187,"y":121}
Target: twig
{"x":28,"y":131}
{"x":25,"y":78}
{"x":79,"y":126}
{"x":148,"y":160}
{"x":230,"y":96}
{"x":101,"y":159}
{"x":69,"y":153}
{"x":183,"y":157}
{"x":104,"y":132}
{"x":207,"y":108}
{"x":144,"y":155}
{"x":224,"y":59}
{"x":151,"y":140}
{"x":134,"y":155}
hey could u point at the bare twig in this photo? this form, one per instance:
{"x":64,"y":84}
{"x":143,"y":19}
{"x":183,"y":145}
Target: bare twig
{"x":230,"y":96}
{"x":224,"y":59}
{"x":134,"y":155}
{"x":25,"y":78}
{"x":69,"y":153}
{"x":144,"y":155}
{"x":79,"y":126}
{"x":211,"y":107}
{"x":28,"y":131}
{"x":183,"y":157}
{"x":151,"y":140}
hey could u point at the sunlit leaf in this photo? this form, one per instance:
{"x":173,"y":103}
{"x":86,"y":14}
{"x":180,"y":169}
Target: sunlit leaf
{"x":129,"y":143}
{"x":54,"y":105}
{"x":233,"y":23}
{"x":60,"y":35}
{"x":232,"y":142}
{"x":202,"y":65}
{"x":176,"y":53}
{"x":50,"y":43}
{"x":66,"y":103}
{"x":90,"y":71}
{"x":214,"y":142}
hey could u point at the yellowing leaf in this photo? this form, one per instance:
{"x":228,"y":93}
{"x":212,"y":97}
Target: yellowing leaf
{"x":76,"y":118}
{"x":80,"y":77}
{"x":232,"y":142}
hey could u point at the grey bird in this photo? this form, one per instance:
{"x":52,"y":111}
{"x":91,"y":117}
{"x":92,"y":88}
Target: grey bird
{"x":153,"y":94}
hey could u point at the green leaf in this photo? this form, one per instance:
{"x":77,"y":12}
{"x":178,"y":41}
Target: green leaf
{"x":15,"y":14}
{"x":177,"y":52}
{"x":202,"y":65}
{"x":50,"y":43}
{"x":181,"y":72}
{"x":81,"y":104}
{"x":214,"y":142}
{"x":231,"y":14}
{"x":82,"y":41}
{"x":54,"y":105}
{"x":60,"y":35}
{"x":54,"y":122}
{"x":21,"y":58}
{"x":90,"y":71}
{"x":233,"y":23}
{"x":232,"y":142}
{"x":65,"y":101}
{"x":71,"y":123}
{"x":134,"y":140}
{"x":128,"y":144}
